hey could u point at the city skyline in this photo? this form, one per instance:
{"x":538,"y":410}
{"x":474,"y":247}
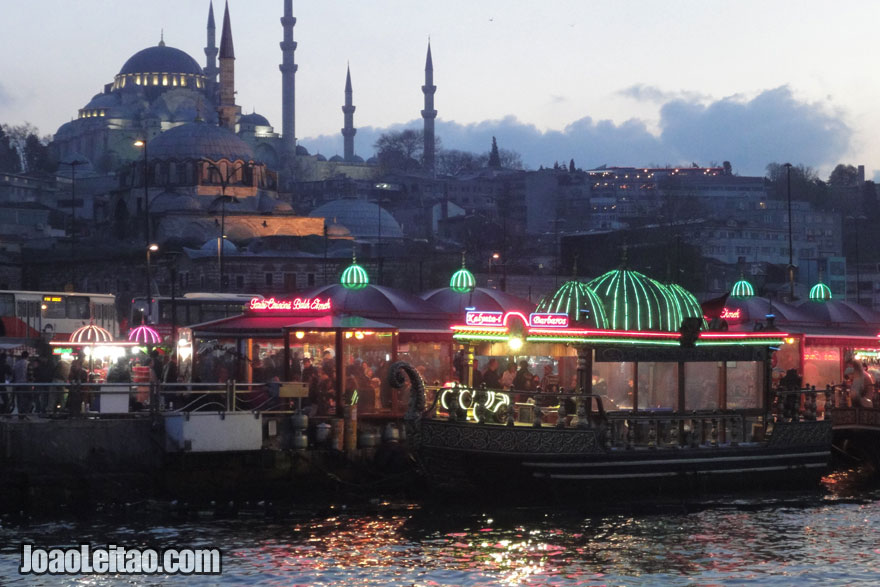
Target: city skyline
{"x":723,"y":82}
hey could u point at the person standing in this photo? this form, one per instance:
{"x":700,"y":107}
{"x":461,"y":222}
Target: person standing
{"x":6,"y":399}
{"x":523,"y":379}
{"x":509,"y":375}
{"x":491,"y":377}
{"x":862,"y":386}
{"x":23,"y":399}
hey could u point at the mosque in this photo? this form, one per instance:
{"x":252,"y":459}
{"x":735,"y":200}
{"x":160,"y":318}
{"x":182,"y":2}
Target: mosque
{"x":160,"y":88}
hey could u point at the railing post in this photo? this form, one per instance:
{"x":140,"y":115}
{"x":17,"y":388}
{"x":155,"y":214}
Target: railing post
{"x":230,"y":395}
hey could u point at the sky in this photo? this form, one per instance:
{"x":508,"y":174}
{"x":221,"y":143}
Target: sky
{"x":613,"y":82}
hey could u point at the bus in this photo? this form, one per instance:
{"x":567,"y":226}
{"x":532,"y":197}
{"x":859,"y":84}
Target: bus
{"x":165,"y":313}
{"x":54,"y":315}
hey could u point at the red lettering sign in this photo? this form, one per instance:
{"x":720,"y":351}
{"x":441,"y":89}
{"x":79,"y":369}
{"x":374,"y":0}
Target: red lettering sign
{"x":484,"y":319}
{"x":295,"y":305}
{"x":549,"y":320}
{"x":729,"y":314}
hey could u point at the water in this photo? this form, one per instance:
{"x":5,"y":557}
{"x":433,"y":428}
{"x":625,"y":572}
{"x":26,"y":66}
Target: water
{"x":828,"y":536}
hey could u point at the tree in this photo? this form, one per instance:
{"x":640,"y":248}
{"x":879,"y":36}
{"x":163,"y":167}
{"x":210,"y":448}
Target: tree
{"x":494,"y":156}
{"x":455,"y":162}
{"x":10,"y":161}
{"x":805,"y":185}
{"x":843,"y":176}
{"x":36,"y":155}
{"x":402,"y":150}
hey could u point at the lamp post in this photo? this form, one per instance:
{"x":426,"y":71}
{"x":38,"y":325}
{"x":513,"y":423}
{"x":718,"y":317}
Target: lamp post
{"x":790,"y":246}
{"x":73,"y":165}
{"x":494,"y":257}
{"x":224,"y":181}
{"x":152,"y":248}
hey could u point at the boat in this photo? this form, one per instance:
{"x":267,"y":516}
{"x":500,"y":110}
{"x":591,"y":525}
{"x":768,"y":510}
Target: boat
{"x":742,"y":434}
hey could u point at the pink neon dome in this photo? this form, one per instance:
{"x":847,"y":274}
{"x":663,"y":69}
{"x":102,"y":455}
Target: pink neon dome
{"x":144,"y":334}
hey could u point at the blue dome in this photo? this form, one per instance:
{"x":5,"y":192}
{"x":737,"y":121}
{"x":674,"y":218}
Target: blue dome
{"x":196,"y":140}
{"x":161,"y":59}
{"x":254,"y":119}
{"x":361,"y":218}
{"x":211,"y":246}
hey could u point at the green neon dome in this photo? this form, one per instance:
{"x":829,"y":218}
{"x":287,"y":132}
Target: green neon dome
{"x":572,"y":297}
{"x":634,"y":301}
{"x":685,"y":303}
{"x":462,"y":281}
{"x":742,"y":289}
{"x":354,"y":277}
{"x":820,"y":293}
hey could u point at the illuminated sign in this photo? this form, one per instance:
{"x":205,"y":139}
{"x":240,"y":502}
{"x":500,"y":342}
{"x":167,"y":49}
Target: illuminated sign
{"x":294,"y":305}
{"x":548,"y":320}
{"x":484,"y":319}
{"x":52,"y":299}
{"x":729,"y":314}
{"x":62,"y":351}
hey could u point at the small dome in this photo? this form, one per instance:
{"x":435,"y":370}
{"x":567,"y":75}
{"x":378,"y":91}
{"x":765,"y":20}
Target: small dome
{"x":462,"y":281}
{"x":363,"y":219}
{"x":144,"y":334}
{"x":337,"y":231}
{"x":320,"y":157}
{"x":372,"y":161}
{"x":357,"y":159}
{"x":354,"y":277}
{"x":742,"y":289}
{"x":102,"y":101}
{"x":211,"y":246}
{"x":336,"y":159}
{"x":197,"y":140}
{"x":300,"y":150}
{"x":572,"y":298}
{"x":684,"y":304}
{"x":820,"y":293}
{"x":254,"y":119}
{"x":161,"y":59}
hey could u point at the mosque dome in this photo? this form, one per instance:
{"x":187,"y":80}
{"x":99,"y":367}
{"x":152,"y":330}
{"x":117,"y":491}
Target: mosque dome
{"x":174,"y":202}
{"x":337,"y":231}
{"x":320,"y":157}
{"x":362,"y":219}
{"x":211,"y":246}
{"x":300,"y":150}
{"x":197,"y":140}
{"x":357,"y":159}
{"x":572,"y":298}
{"x":254,"y":119}
{"x":336,"y":159}
{"x":634,"y":301}
{"x":161,"y":59}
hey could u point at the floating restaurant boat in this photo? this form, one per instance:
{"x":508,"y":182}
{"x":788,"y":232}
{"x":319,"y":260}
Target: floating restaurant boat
{"x":656,"y":401}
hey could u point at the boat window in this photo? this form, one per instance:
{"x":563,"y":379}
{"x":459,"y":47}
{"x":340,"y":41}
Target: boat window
{"x":702,"y":385}
{"x":658,"y":386}
{"x":821,"y":366}
{"x":743,"y":385}
{"x":614,"y":382}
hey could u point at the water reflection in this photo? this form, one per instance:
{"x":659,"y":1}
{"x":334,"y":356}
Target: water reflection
{"x":774,"y":539}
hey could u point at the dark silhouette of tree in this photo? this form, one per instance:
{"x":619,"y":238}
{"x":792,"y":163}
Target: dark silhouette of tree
{"x":455,"y":162}
{"x":36,"y":156}
{"x":494,"y":156}
{"x":805,"y":185}
{"x":10,"y":161}
{"x":402,"y":150}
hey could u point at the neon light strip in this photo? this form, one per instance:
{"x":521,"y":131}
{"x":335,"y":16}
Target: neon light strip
{"x":480,"y":328}
{"x":602,"y":340}
{"x":634,"y":333}
{"x":743,"y":335}
{"x":479,"y":337}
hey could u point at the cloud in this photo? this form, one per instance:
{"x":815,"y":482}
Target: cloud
{"x":5,"y":97}
{"x":772,"y":126}
{"x":646,"y":93}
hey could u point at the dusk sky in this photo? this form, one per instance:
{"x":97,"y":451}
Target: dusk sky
{"x":603,"y":82}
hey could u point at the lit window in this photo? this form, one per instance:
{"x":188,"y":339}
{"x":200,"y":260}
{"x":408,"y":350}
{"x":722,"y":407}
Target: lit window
{"x":137,"y":79}
{"x":183,"y":80}
{"x":155,"y":79}
{"x":165,"y":79}
{"x":173,"y":80}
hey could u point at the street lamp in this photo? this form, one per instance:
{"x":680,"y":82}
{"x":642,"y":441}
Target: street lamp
{"x":142,"y":143}
{"x":73,"y":165}
{"x":150,"y":249}
{"x":790,"y":247}
{"x":494,"y":257}
{"x":223,"y":198}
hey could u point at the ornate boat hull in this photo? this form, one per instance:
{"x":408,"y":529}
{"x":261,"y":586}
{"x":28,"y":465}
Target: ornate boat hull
{"x":466,"y":456}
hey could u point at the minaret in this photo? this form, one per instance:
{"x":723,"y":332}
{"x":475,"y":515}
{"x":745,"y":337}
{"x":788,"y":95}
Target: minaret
{"x":429,"y":114}
{"x":211,"y":55}
{"x":348,"y":131}
{"x":288,"y":88}
{"x":227,"y":111}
